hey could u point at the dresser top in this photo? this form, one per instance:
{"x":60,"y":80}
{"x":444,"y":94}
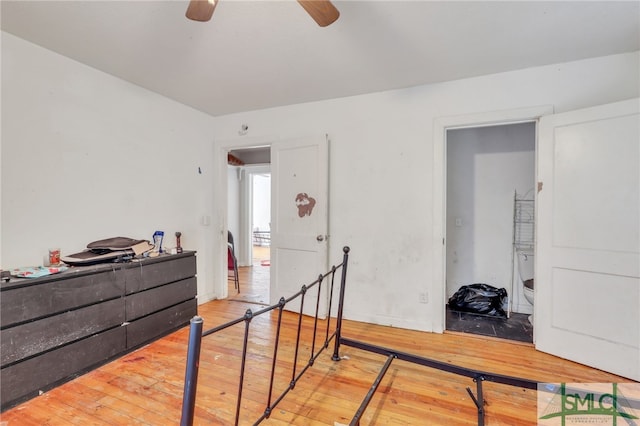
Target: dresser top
{"x":77,"y":271}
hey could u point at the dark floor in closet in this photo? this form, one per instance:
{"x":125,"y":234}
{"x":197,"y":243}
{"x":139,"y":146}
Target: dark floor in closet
{"x":516,"y":327}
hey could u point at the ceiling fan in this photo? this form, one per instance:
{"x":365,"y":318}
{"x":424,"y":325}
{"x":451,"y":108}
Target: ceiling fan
{"x":322,"y":11}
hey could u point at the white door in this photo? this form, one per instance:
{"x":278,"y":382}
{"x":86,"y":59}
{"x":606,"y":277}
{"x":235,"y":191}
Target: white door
{"x":587,"y":285}
{"x":299,"y":216}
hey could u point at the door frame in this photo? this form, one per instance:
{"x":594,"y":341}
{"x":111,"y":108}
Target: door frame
{"x":220,"y":193}
{"x":440,"y":127}
{"x":245,"y":246}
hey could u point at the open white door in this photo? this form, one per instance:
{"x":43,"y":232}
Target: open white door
{"x":299,"y":220}
{"x":587,"y":285}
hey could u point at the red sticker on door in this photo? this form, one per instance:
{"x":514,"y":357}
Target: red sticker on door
{"x":305,"y":204}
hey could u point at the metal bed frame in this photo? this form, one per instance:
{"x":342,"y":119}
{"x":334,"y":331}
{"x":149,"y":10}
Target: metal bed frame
{"x":196,"y":334}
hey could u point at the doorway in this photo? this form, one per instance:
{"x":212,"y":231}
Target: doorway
{"x":576,"y":335}
{"x":298,"y":242}
{"x":439,"y":244}
{"x":490,"y":170}
{"x":249,"y":219}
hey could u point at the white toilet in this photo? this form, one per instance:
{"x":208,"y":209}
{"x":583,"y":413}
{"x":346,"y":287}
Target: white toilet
{"x":525,"y":269}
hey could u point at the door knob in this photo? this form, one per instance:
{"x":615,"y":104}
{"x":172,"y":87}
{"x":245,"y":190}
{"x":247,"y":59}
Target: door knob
{"x":320,"y":238}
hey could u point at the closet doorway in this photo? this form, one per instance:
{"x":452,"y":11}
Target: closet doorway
{"x":488,"y":169}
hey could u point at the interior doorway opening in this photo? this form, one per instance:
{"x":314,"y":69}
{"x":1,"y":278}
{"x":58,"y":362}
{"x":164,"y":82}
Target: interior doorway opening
{"x":489,"y":170}
{"x":249,"y":220}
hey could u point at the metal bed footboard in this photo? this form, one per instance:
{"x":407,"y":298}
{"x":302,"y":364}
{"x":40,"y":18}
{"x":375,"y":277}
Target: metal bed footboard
{"x":196,"y":334}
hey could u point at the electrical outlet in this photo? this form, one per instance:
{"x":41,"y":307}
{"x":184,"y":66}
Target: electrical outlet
{"x":424,"y":297}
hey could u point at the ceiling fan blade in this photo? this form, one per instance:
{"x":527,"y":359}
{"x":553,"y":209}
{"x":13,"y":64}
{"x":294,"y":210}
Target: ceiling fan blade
{"x":201,"y":10}
{"x":322,"y":11}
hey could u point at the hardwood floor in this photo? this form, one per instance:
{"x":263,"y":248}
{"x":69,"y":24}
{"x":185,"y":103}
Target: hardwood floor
{"x":254,"y":279}
{"x":145,"y":386}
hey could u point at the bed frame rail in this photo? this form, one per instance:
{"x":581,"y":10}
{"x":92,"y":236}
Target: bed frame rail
{"x":477,"y":376}
{"x":196,"y":334}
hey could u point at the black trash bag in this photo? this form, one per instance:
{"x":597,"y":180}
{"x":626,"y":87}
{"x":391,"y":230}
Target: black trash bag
{"x":479,"y":299}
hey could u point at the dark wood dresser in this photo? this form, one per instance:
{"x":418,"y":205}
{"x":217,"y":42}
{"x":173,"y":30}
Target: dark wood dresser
{"x":57,"y":327}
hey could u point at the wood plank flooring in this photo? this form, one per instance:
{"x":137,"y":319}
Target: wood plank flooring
{"x":254,"y":279}
{"x":145,"y":386}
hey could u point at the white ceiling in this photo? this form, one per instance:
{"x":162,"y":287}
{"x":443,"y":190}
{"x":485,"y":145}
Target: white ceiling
{"x":260,"y":54}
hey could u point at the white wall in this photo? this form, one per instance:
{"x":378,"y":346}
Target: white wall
{"x":484,"y":167}
{"x":261,"y":193}
{"x":1,"y":127}
{"x":233,"y":202}
{"x":87,"y":156}
{"x":381,"y":178}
